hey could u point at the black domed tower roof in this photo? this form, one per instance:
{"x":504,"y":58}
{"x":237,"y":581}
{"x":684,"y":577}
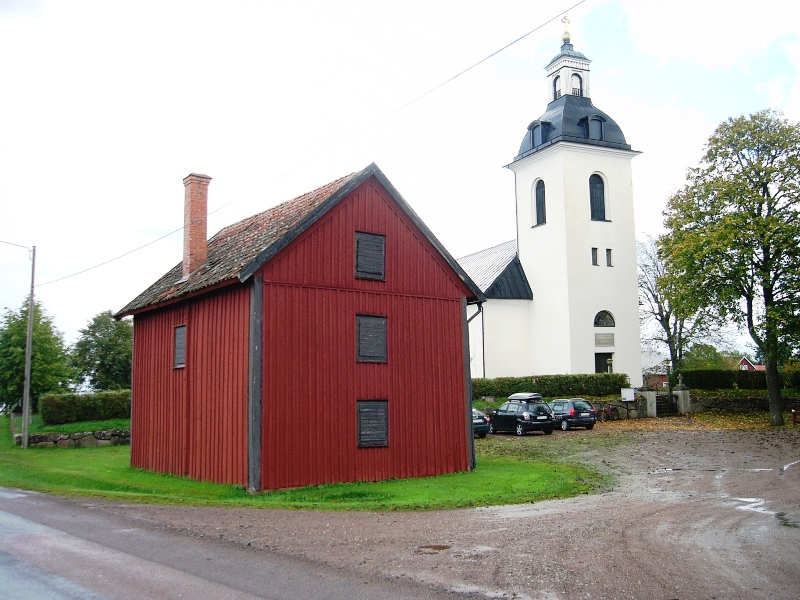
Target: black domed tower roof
{"x":571,"y":116}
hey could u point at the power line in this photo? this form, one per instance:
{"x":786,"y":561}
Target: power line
{"x":336,"y":145}
{"x":150,"y":243}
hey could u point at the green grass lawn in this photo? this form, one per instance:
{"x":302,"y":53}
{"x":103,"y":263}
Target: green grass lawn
{"x":510,"y":470}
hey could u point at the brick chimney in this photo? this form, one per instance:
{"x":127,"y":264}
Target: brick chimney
{"x":195,"y":222}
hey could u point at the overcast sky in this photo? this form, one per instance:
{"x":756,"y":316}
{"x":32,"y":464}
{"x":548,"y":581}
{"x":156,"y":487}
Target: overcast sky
{"x":106,"y":106}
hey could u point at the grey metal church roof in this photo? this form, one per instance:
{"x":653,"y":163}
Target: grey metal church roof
{"x":567,"y":50}
{"x":562,"y":122}
{"x":498,"y":272}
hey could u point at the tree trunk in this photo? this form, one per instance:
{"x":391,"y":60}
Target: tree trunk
{"x":774,"y":390}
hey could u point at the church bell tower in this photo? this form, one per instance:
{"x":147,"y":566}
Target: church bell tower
{"x":575,"y":230}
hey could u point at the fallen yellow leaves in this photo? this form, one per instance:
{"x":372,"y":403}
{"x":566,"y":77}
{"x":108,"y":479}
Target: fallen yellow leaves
{"x":708,"y":421}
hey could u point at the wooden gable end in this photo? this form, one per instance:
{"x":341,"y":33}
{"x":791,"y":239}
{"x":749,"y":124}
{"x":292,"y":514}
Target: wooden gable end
{"x":325,"y":254}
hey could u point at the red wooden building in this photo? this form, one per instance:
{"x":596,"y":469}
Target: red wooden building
{"x":323,"y":340}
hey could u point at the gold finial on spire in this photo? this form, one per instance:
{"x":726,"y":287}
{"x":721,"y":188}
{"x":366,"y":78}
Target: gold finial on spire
{"x":565,"y":21}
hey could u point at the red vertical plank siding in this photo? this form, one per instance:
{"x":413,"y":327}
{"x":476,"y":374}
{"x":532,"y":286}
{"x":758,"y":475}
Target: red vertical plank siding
{"x":158,"y":436}
{"x":193,"y":421}
{"x":218,"y":376}
{"x":311,"y":378}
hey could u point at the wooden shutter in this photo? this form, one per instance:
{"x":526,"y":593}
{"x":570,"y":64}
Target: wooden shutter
{"x":370,"y":256}
{"x":370,"y":338}
{"x":373,"y":423}
{"x":180,"y":347}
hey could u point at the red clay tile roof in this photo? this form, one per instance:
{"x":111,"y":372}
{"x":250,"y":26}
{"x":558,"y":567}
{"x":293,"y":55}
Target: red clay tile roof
{"x":236,"y":246}
{"x":237,"y":251}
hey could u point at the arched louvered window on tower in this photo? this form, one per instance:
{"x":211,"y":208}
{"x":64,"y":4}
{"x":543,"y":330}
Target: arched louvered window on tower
{"x":604,"y":319}
{"x":540,"y":206}
{"x":577,"y":85}
{"x":597,"y":198}
{"x":556,"y":87}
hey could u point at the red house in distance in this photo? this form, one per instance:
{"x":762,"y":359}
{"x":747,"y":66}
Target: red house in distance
{"x":323,"y":340}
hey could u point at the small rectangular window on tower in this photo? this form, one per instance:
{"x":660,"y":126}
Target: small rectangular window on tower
{"x":594,"y":256}
{"x":609,"y":262}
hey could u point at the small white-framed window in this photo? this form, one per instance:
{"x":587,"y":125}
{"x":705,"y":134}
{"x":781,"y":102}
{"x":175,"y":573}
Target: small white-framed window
{"x":609,"y":261}
{"x":594,"y":257}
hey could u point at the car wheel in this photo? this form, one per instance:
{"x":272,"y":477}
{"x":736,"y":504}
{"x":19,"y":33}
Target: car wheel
{"x":590,"y":426}
{"x":519,"y":430}
{"x":482,"y":434}
{"x":548,"y":431}
{"x":564,"y":425}
{"x":492,"y":430}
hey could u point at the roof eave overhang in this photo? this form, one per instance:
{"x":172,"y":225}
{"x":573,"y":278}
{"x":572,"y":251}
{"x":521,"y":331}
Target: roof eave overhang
{"x":575,"y":143}
{"x":163,"y":303}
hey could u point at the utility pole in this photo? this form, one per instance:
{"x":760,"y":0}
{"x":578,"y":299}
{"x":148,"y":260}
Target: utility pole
{"x":26,"y":394}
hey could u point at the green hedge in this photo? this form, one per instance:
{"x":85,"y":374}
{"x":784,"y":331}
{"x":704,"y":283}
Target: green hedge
{"x":722,"y":379}
{"x":791,"y":373}
{"x":552,"y":386}
{"x":56,"y":409}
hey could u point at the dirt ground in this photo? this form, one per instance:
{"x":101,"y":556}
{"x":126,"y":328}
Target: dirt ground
{"x":694,"y":514}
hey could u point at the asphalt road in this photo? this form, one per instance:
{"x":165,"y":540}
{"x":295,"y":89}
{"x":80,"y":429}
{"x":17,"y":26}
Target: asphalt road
{"x":695,"y":514}
{"x":52,"y":548}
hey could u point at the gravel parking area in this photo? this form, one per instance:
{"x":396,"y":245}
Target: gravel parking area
{"x":694,"y":514}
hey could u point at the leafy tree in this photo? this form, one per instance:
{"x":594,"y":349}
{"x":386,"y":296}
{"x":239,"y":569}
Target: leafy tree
{"x":734,"y":241}
{"x":704,"y":356}
{"x":662,"y":324}
{"x":102,"y":355}
{"x":49,"y":369}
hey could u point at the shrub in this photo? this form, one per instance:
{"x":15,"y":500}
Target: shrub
{"x":552,"y":386}
{"x":722,"y":379}
{"x":791,"y":374}
{"x":56,"y":409}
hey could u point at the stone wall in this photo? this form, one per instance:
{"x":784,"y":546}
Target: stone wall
{"x":713,"y":403}
{"x":86,"y":439}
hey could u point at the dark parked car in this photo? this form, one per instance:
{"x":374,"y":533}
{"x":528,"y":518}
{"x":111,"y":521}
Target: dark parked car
{"x":522,"y":413}
{"x":574,"y":412}
{"x":480,"y":423}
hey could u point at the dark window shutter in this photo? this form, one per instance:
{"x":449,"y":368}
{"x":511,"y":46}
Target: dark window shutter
{"x":180,"y":346}
{"x":373,"y":423}
{"x":371,"y":339}
{"x":595,"y":129}
{"x":541,"y":214}
{"x":597,"y":198}
{"x":370,"y":256}
{"x":594,"y":256}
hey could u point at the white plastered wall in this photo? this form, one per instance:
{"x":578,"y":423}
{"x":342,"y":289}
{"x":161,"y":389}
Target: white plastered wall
{"x":568,"y":290}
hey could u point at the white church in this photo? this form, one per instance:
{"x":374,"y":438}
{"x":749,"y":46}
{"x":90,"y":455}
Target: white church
{"x":563,"y":296}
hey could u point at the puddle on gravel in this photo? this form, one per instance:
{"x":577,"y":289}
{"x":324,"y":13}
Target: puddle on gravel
{"x":786,"y":522}
{"x":431,"y":549}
